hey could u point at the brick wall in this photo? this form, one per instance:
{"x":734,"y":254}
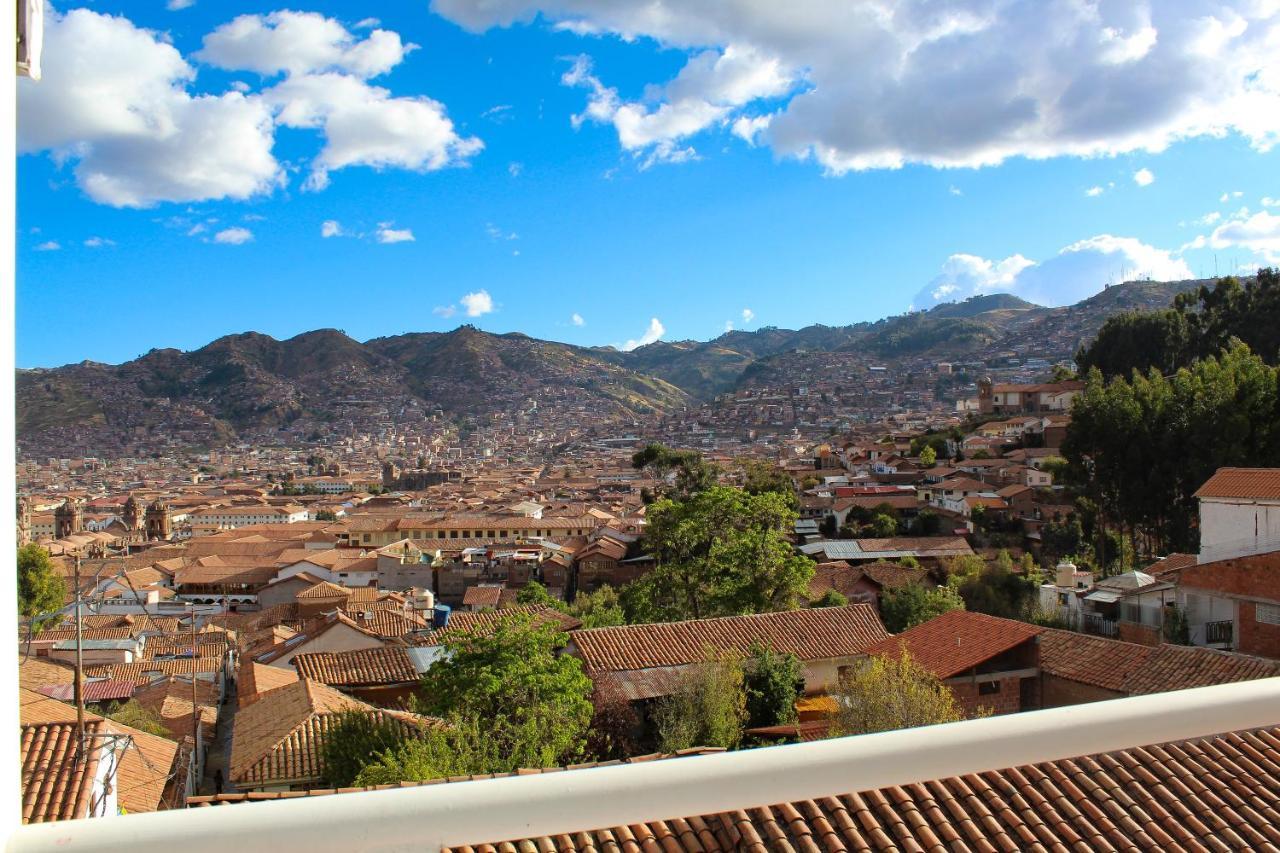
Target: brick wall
{"x":1007,"y":701}
{"x":1144,"y":635}
{"x":1055,"y":692}
{"x":1257,"y":638}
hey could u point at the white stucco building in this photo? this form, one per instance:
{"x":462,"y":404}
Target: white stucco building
{"x":1239,"y":513}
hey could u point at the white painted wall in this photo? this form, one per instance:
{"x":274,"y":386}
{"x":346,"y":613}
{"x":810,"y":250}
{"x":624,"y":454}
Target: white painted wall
{"x":1233,"y":528}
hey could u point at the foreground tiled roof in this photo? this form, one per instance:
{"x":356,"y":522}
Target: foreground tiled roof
{"x":385,"y":665}
{"x":958,"y":640}
{"x":54,"y":785}
{"x":828,"y":632}
{"x":1215,"y":793}
{"x":1134,"y":669}
{"x":1242,"y":483}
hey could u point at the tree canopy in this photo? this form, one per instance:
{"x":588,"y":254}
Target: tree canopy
{"x":708,"y":708}
{"x":40,"y":589}
{"x":509,"y":677}
{"x":886,"y":693}
{"x":913,"y":603}
{"x":721,"y":552}
{"x":686,"y":470}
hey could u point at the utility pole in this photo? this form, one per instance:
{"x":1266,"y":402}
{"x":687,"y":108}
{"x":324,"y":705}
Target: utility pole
{"x":79,"y":683}
{"x":195,"y":707}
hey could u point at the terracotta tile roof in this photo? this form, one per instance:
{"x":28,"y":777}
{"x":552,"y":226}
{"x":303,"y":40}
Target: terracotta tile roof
{"x":324,"y":591}
{"x":386,"y":622}
{"x":279,"y":739}
{"x":466,"y":620}
{"x":1133,"y":669}
{"x":144,"y":672}
{"x":1216,"y":793}
{"x":263,"y":796}
{"x":102,"y":690}
{"x":54,"y":785}
{"x":363,"y":667}
{"x":170,"y":700}
{"x":258,"y":678}
{"x":958,"y":640}
{"x":823,"y":633}
{"x":35,"y":672}
{"x":1261,"y":483}
{"x":482,"y":596}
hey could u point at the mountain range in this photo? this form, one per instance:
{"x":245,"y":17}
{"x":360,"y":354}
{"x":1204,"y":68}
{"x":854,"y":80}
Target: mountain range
{"x":249,"y":382}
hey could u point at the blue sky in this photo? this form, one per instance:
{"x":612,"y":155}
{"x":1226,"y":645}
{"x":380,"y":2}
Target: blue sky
{"x":588,"y":172}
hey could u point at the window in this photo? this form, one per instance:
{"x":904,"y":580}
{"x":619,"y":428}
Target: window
{"x":1267,"y":614}
{"x":1063,"y":597}
{"x":366,"y":537}
{"x":987,"y":688}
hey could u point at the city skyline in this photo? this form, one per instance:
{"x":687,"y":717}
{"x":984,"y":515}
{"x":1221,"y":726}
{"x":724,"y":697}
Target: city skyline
{"x":599,"y":175}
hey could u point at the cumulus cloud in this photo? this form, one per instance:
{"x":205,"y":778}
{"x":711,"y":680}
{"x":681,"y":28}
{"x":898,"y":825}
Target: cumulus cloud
{"x":872,"y":84}
{"x":387,"y":234}
{"x":477,"y":304}
{"x":49,"y":246}
{"x":748,"y":315}
{"x":655,"y":332}
{"x":1259,"y":233}
{"x":117,"y":101}
{"x":233,"y":236}
{"x":300,"y":43}
{"x":114,"y":100}
{"x":331,"y":228}
{"x":1076,"y":272}
{"x":708,"y":88}
{"x":1094,"y":192}
{"x":1143,"y":178}
{"x":98,"y":242}
{"x":179,"y":5}
{"x":577,"y":320}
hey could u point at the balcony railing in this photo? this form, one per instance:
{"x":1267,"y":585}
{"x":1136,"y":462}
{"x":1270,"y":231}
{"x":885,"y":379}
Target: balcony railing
{"x":1096,"y":623}
{"x":548,"y":804}
{"x":1219,"y":632}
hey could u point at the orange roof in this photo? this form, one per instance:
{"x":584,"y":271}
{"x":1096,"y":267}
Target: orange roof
{"x":1261,"y":483}
{"x":958,"y":640}
{"x":824,"y":633}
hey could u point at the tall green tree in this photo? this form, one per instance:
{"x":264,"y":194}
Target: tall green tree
{"x":599,"y":609}
{"x":510,"y":677}
{"x":40,"y":589}
{"x":761,"y":477}
{"x":773,"y":682}
{"x":720,"y":552}
{"x":353,"y":739}
{"x":682,"y":473}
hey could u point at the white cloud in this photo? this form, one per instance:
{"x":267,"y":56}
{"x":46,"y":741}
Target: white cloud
{"x":49,"y":246}
{"x":364,"y":125}
{"x":498,"y":113}
{"x":179,"y":5}
{"x":655,"y":331}
{"x":748,"y":316}
{"x":1259,"y":233}
{"x":477,"y":304}
{"x":300,"y":43}
{"x":1227,"y":196}
{"x":496,"y":233}
{"x":331,"y":228}
{"x":1143,"y":178}
{"x":387,"y":234}
{"x":577,"y":320}
{"x":749,"y":128}
{"x":873,"y":84}
{"x":1094,"y":192}
{"x":705,"y":92}
{"x":955,"y":190}
{"x":1268,"y":201}
{"x":233,"y":236}
{"x":1209,"y":218}
{"x":98,"y":242}
{"x":367,"y":23}
{"x":114,"y":100}
{"x":1076,"y":272}
{"x":445,"y":311}
{"x":514,"y":169}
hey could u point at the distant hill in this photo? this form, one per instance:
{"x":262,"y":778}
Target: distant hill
{"x":251,"y":382}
